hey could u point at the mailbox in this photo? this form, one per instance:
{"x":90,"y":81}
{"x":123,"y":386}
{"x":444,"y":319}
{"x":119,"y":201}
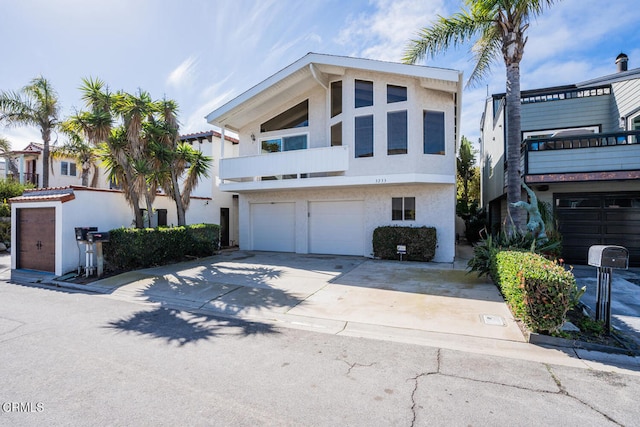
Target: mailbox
{"x":81,"y":232}
{"x":98,"y":236}
{"x":608,"y":256}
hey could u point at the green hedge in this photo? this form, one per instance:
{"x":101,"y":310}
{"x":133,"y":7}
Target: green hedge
{"x":539,"y":291}
{"x":134,"y":248}
{"x":420,"y":242}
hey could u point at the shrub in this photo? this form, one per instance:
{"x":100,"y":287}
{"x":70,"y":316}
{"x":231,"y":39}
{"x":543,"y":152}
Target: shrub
{"x":517,"y":241}
{"x":11,"y":188}
{"x":132,"y":248}
{"x":5,"y":232}
{"x":5,"y":210}
{"x":420,"y":242}
{"x":539,"y":291}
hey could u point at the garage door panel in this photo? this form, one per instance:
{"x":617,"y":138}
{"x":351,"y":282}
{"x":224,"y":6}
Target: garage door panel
{"x":273,"y":227}
{"x":596,"y":222}
{"x":36,"y":239}
{"x":336,"y":227}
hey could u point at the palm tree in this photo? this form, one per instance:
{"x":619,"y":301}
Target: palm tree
{"x":171,"y":160}
{"x":495,"y":26}
{"x":34,"y":105}
{"x":5,"y":149}
{"x":80,"y":150}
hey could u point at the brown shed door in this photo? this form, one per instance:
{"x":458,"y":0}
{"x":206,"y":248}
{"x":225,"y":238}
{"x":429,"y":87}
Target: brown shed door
{"x":36,"y":239}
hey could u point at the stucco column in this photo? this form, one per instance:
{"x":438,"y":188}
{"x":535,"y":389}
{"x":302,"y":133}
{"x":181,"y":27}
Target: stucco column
{"x":21,"y":168}
{"x":221,"y":142}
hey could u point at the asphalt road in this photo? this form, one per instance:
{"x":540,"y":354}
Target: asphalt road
{"x":80,"y":359}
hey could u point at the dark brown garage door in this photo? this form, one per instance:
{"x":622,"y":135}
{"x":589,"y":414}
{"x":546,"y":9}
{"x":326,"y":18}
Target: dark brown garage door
{"x":598,"y":219}
{"x":36,"y":235}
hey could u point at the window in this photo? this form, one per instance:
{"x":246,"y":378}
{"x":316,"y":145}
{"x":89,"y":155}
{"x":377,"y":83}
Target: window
{"x":403,"y":208}
{"x":336,"y":98}
{"x":396,"y":94}
{"x":285,"y":143}
{"x":364,"y":136}
{"x":336,"y":134}
{"x":68,"y":168}
{"x":433,"y":132}
{"x":364,"y":93}
{"x":397,"y":132}
{"x":294,"y":117}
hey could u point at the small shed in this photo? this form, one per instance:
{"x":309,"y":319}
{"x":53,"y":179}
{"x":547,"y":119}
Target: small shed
{"x":43,"y":223}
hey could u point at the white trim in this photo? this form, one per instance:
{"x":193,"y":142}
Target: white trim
{"x":338,"y":181}
{"x":218,"y":116}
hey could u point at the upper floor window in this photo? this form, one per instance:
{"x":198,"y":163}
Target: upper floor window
{"x":396,"y":94}
{"x":364,"y":136}
{"x":295,"y":117}
{"x":68,"y":168}
{"x":336,"y":134}
{"x":336,"y":98}
{"x":397,"y":132}
{"x":285,"y":143}
{"x":364,"y":93}
{"x":433,"y":132}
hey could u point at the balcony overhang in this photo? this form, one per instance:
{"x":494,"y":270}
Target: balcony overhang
{"x":337,"y":182}
{"x":582,"y":177}
{"x":312,"y":160}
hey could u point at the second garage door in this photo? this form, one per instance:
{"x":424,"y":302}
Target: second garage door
{"x":336,"y":228}
{"x":598,"y":219}
{"x":273,"y":227}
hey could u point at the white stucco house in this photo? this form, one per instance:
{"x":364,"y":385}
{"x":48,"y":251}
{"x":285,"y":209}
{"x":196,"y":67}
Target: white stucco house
{"x":332,"y":147}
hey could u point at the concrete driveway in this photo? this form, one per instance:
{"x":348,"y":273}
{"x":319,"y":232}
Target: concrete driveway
{"x":326,"y":292}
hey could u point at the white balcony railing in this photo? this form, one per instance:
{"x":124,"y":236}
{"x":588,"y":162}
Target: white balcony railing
{"x":313,"y":160}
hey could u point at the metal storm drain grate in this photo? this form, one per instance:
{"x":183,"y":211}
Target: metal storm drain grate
{"x":493,"y":320}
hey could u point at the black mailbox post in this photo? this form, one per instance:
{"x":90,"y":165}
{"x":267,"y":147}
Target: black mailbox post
{"x":606,"y":258}
{"x":81,"y":233}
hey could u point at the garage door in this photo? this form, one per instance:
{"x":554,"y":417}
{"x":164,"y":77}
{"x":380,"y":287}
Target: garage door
{"x":336,"y":228}
{"x":273,"y":227}
{"x":598,"y":219}
{"x":36,"y":235}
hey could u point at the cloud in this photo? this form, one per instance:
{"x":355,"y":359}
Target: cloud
{"x":215,"y":96}
{"x":183,"y":74}
{"x":20,"y":137}
{"x":384,"y":34}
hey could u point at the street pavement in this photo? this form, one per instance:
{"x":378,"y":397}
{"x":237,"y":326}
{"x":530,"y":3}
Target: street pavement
{"x":437,"y":305}
{"x":75,"y":358}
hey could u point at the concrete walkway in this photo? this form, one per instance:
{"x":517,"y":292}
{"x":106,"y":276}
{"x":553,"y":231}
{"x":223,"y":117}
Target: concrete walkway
{"x":437,"y":305}
{"x":326,"y":292}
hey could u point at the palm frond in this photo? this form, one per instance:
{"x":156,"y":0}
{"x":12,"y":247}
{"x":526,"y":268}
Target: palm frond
{"x":445,"y":33}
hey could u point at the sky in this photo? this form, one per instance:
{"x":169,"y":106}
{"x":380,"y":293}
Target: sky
{"x":203,"y":53}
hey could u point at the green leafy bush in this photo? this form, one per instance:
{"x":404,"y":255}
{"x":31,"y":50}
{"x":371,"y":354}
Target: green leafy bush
{"x":539,"y":291}
{"x":11,"y":188}
{"x":5,"y":210}
{"x":502,"y":241}
{"x":420,"y":242}
{"x":131,"y":248}
{"x":5,"y":232}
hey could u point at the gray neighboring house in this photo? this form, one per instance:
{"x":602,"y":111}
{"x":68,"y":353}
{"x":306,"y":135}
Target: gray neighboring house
{"x":580,"y":153}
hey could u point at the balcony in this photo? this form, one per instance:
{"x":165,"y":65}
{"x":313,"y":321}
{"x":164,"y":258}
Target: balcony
{"x":589,"y":157}
{"x":260,"y":172}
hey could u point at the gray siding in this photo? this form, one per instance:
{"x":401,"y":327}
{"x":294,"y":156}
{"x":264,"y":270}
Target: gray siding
{"x":627,"y":99}
{"x":594,"y":159}
{"x":576,"y":112}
